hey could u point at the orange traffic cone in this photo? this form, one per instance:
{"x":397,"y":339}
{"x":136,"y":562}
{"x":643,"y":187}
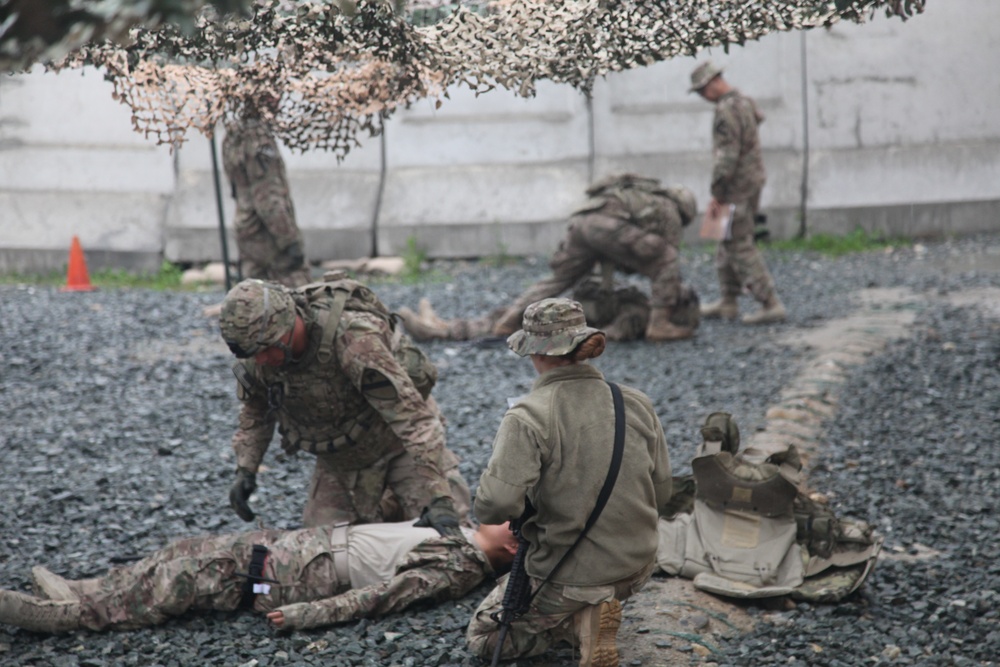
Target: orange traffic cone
{"x":77,"y":278}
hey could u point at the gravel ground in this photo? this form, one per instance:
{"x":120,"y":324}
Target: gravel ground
{"x":118,"y":407}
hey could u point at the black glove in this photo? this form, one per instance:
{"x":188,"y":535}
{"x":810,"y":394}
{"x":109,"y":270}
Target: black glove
{"x":442,"y":517}
{"x":239,"y":493}
{"x":721,"y":427}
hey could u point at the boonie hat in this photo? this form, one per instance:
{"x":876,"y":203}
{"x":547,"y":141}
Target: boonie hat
{"x":552,"y":327}
{"x":255,"y":315}
{"x":702,"y":74}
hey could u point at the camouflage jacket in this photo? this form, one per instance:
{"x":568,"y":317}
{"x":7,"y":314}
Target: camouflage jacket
{"x":348,"y":399}
{"x":638,"y":201}
{"x":438,"y":569}
{"x":738,"y":169}
{"x":256,"y":174}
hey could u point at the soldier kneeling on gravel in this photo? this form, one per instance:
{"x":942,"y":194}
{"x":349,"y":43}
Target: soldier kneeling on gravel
{"x":327,"y":365}
{"x":740,"y":526}
{"x":630,"y":223}
{"x":299,"y":578}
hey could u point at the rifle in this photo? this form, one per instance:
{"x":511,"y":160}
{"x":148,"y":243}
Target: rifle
{"x":517,"y":596}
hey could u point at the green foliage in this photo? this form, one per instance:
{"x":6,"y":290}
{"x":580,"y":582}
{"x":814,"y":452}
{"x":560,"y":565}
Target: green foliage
{"x":414,"y":257}
{"x":859,"y":240}
{"x":166,"y":278}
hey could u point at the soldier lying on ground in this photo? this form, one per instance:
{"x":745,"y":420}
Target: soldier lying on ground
{"x":326,"y":364}
{"x":301,"y":579}
{"x":632,"y":224}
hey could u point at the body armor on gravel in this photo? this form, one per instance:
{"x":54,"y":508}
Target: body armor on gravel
{"x":748,"y":531}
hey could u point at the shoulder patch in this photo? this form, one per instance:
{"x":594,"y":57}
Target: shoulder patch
{"x":376,"y":386}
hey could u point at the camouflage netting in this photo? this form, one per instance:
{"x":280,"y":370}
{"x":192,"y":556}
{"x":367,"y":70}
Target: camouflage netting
{"x":338,"y":68}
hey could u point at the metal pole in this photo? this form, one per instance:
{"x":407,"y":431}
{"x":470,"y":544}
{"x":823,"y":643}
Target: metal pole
{"x":381,"y":186}
{"x":218,"y":206}
{"x":804,"y":191}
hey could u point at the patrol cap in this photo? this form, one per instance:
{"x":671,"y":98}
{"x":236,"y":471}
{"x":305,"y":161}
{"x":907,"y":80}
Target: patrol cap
{"x":702,"y":74}
{"x":552,"y":327}
{"x":686,"y":202}
{"x":255,"y":315}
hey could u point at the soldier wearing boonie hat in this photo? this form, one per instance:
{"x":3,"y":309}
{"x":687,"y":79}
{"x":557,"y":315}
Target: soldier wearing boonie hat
{"x":738,"y":176}
{"x":552,"y":327}
{"x":702,"y":75}
{"x":553,"y":450}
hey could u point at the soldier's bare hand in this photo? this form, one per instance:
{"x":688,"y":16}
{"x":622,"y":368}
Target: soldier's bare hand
{"x":277,"y":617}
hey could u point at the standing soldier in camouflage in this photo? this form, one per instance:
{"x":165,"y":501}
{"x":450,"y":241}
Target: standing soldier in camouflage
{"x":325,"y":363}
{"x":269,"y":241}
{"x":301,"y":579}
{"x":737,"y":178}
{"x":632,"y":224}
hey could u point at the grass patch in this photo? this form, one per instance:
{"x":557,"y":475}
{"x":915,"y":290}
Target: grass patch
{"x":414,"y":257}
{"x":168,"y":277}
{"x":826,"y":244}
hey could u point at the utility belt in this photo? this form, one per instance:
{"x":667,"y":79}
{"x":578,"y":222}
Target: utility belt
{"x":338,"y":549}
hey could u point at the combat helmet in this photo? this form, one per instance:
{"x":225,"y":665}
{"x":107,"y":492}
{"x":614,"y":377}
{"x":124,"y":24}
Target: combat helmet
{"x":687,"y":205}
{"x":255,"y":315}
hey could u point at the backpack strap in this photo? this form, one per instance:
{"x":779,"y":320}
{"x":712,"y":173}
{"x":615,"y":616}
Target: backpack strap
{"x":340,"y":296}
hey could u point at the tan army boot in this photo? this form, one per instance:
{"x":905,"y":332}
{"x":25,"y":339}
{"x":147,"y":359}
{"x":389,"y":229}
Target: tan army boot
{"x":726,"y":308}
{"x":772,"y":311}
{"x":50,"y":586}
{"x":37,"y":615}
{"x":596,"y":628}
{"x":660,"y":328}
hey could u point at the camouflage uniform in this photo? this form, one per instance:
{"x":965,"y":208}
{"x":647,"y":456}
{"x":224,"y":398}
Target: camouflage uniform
{"x":350,"y":401}
{"x":268,"y":239}
{"x":737,"y":178}
{"x":622,"y":312}
{"x":322,"y":576}
{"x":633,"y":224}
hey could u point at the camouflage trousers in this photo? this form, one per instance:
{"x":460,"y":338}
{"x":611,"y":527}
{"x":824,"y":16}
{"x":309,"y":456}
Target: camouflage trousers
{"x":200,"y":574}
{"x":261,"y":258}
{"x":738,"y":262}
{"x":549,"y":621}
{"x":593,"y":238}
{"x":364,"y":496}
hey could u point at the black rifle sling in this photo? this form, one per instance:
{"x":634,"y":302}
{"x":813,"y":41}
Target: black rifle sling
{"x":609,"y":481}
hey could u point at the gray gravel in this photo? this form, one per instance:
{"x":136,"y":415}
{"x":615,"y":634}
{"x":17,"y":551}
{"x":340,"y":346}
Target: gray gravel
{"x":118,"y":406}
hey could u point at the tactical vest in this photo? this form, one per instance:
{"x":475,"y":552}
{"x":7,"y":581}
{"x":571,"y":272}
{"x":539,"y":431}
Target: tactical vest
{"x":328,"y":300}
{"x":745,"y":521}
{"x":748,"y":532}
{"x":635,"y":199}
{"x":320,"y":408}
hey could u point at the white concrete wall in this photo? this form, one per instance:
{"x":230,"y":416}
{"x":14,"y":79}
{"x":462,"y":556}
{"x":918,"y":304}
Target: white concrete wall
{"x":899,"y":119}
